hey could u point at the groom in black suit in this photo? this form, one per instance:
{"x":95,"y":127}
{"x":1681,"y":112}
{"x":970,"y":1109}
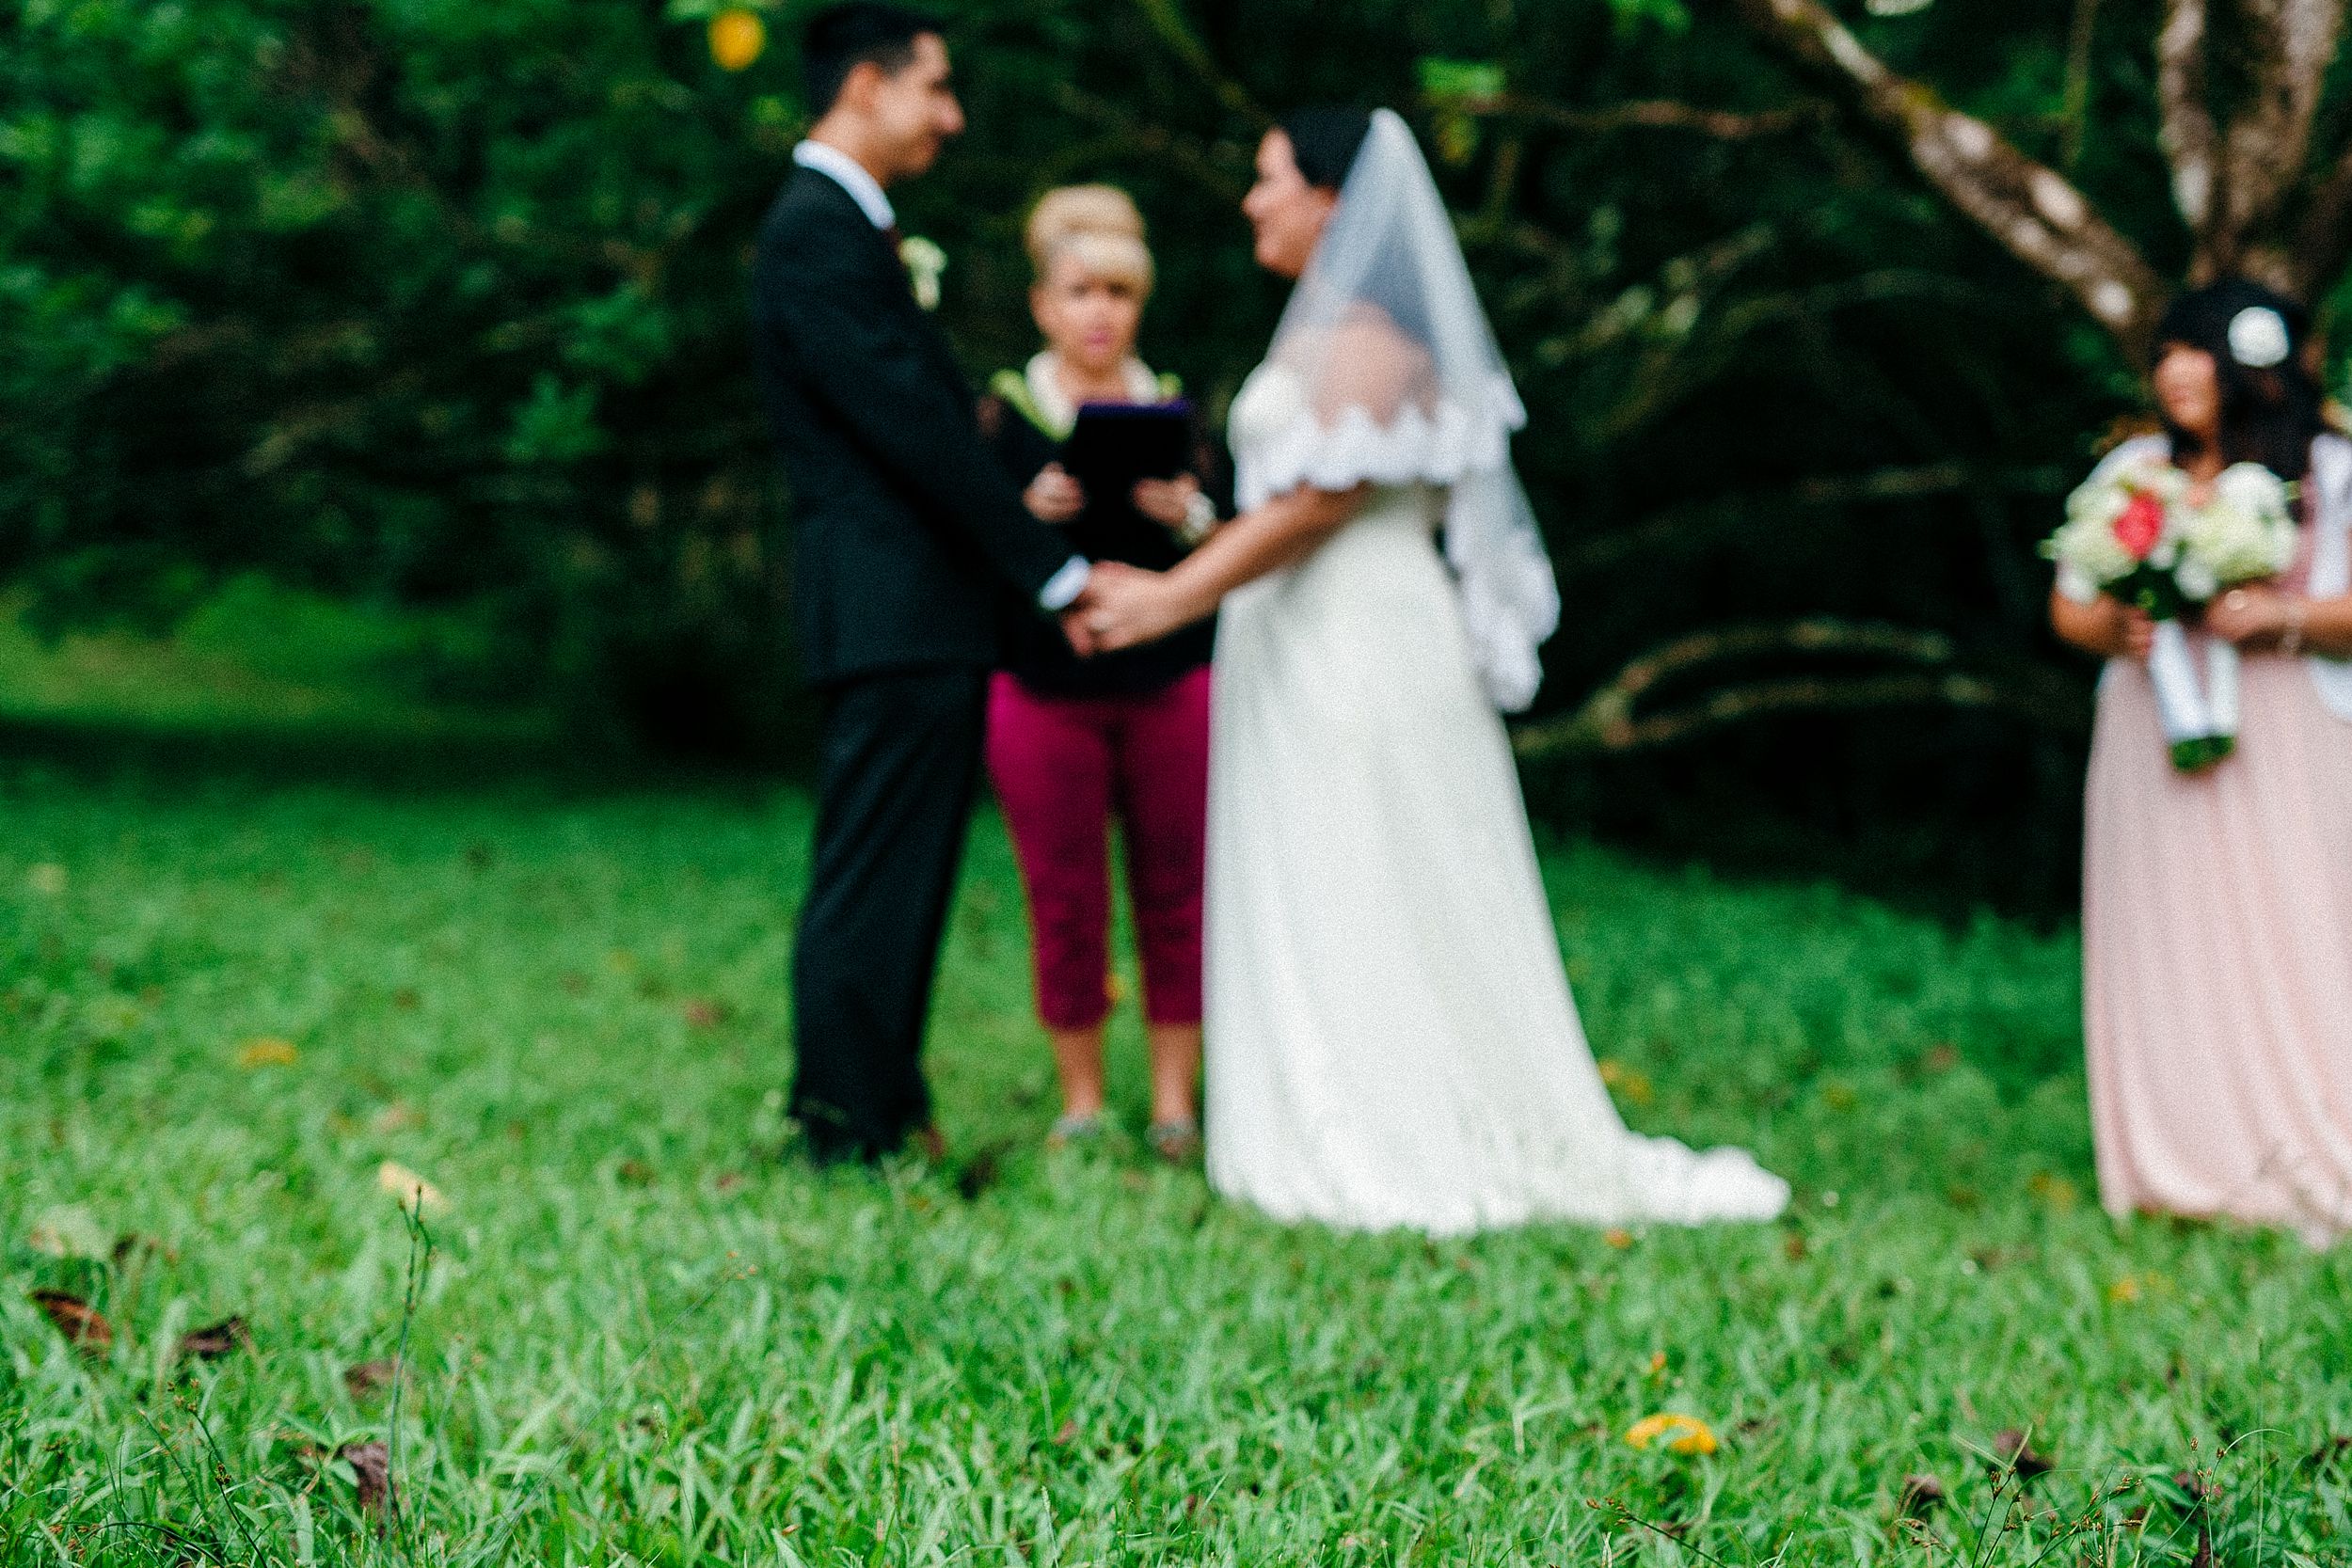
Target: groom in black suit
{"x":909,"y":540}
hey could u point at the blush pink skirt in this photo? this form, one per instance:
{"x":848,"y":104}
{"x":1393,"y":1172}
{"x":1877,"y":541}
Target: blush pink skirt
{"x":2218,"y":960}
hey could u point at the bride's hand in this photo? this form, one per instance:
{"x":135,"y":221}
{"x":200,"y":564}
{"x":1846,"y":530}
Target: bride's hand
{"x":1126,"y":607}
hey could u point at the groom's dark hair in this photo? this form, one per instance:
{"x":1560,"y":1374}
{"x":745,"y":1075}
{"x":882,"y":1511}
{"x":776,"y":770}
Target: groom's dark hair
{"x":841,"y":38}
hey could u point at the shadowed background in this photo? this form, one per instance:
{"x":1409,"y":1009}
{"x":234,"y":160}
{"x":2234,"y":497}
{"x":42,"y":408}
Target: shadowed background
{"x":419,"y":326}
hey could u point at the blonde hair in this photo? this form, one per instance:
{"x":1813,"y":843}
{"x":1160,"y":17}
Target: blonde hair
{"x":1096,"y":226}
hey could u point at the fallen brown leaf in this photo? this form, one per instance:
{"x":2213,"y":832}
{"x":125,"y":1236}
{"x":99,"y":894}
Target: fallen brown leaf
{"x":2016,"y":1455}
{"x":218,"y":1339}
{"x":372,"y":1467}
{"x":1069,"y":1433}
{"x":1920,"y":1497}
{"x":84,"y":1326}
{"x":636,"y":1173}
{"x":369,"y":1377}
{"x":268,"y":1050}
{"x":128,"y":1247}
{"x":729,"y":1182}
{"x":703,"y":1013}
{"x":983,"y":1171}
{"x":413,"y":1192}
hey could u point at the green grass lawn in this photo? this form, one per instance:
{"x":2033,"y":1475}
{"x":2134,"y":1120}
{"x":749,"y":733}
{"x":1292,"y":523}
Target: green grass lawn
{"x":639,"y":1336}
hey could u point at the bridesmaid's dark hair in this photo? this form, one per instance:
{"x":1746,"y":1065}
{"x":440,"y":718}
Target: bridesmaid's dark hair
{"x":1325,"y":140}
{"x":2269,"y":414}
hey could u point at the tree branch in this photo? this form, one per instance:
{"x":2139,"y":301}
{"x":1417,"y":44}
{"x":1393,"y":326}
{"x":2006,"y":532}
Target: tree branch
{"x":1654,"y":115}
{"x":2075,"y":114}
{"x":1681,"y":523}
{"x":1607,"y":721}
{"x":2030,"y":209}
{"x":2190,"y":139}
{"x":2290,"y":44}
{"x":2324,"y":248}
{"x":1763,"y":700}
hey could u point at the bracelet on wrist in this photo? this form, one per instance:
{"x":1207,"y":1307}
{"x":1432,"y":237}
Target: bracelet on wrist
{"x":1199,"y":517}
{"x":2290,"y":640}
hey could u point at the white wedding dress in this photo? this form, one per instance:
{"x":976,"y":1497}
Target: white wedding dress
{"x":1391,"y":1037}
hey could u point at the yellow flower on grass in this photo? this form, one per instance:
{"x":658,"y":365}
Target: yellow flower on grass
{"x":267,"y":1052}
{"x":1675,"y":1433}
{"x":1629,"y":1082}
{"x":737,"y":37}
{"x":2055,"y":1191}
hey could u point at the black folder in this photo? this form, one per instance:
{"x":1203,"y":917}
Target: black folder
{"x":1111,"y":447}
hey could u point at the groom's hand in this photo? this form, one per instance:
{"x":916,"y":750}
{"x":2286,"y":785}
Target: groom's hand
{"x":1074,"y":624}
{"x":1090,"y":614}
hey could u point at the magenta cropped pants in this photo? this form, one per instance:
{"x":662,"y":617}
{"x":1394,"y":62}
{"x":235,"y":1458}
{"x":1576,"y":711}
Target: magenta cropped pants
{"x":1063,"y":768}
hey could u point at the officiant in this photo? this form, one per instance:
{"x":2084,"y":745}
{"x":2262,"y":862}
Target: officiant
{"x":1106,"y":451}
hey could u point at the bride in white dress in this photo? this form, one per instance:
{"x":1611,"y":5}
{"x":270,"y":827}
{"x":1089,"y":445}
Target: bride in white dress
{"x":1391,"y":1037}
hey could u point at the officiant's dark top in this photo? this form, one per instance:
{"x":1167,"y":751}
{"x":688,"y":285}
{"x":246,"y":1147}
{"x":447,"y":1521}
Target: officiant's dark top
{"x":1035,"y":652}
{"x":909,"y":541}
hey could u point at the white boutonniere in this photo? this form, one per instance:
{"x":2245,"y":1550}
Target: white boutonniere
{"x":925,"y":263}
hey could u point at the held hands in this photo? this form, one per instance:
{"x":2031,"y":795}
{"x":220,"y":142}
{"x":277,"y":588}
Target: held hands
{"x":1127,"y":606}
{"x":1123,"y":607}
{"x":1053,"y":496}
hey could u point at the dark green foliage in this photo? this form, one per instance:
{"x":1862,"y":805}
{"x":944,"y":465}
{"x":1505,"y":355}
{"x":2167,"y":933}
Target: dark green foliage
{"x":440,"y":302}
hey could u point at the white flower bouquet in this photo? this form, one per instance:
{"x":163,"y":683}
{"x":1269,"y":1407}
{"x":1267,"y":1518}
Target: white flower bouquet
{"x":2139,"y":532}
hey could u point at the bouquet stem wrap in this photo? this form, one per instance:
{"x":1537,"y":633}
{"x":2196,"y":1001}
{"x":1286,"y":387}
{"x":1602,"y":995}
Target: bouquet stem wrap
{"x":2198,"y":709}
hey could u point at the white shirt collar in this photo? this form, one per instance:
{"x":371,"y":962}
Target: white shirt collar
{"x":850,"y":176}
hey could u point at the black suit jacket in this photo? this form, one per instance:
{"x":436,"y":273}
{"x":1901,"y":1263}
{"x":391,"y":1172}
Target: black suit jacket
{"x":907,"y":531}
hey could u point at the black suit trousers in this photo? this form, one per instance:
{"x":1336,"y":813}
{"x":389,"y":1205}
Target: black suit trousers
{"x":900,"y":758}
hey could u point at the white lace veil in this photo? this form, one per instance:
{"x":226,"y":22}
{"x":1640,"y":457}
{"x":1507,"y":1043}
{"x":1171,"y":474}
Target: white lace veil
{"x":1389,"y":259}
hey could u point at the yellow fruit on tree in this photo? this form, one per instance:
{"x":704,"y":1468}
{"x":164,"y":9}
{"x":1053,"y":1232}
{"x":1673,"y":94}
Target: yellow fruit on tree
{"x":737,"y":37}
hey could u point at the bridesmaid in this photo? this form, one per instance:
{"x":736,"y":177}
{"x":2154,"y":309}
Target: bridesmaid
{"x":1071,"y":745}
{"x":2217,"y":906}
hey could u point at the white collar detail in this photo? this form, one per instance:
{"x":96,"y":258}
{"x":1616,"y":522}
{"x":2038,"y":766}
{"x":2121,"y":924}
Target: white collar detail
{"x":1045,"y":388}
{"x":850,"y":176}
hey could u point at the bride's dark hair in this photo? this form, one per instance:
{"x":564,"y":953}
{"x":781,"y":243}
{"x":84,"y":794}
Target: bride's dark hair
{"x":1325,"y":140}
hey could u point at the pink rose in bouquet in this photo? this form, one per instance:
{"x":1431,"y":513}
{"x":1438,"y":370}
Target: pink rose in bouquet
{"x":2141,"y":524}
